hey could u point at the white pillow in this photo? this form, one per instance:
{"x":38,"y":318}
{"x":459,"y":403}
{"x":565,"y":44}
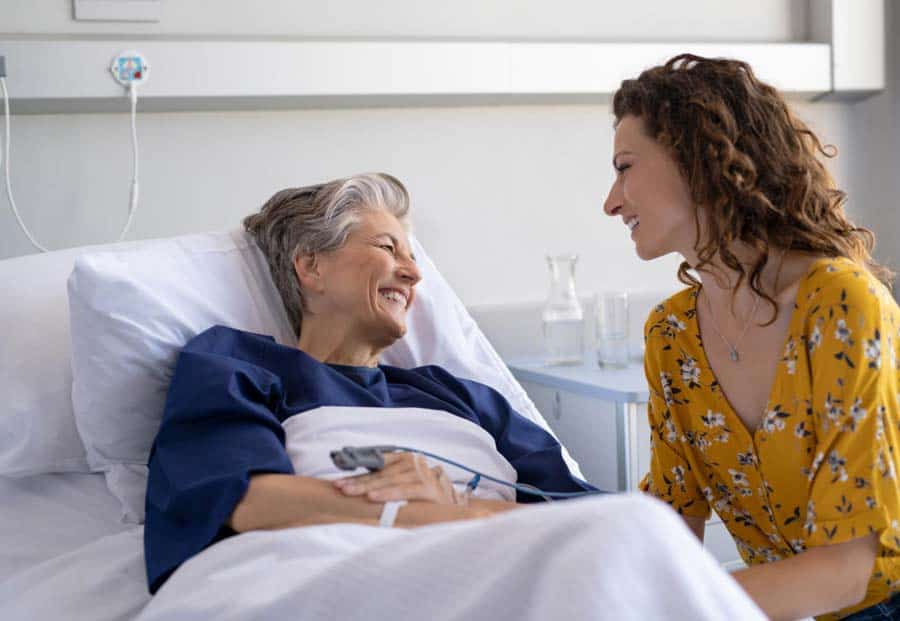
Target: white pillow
{"x":133,"y":310}
{"x":37,"y":430}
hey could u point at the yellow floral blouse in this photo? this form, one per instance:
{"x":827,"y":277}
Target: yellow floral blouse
{"x":821,"y":468}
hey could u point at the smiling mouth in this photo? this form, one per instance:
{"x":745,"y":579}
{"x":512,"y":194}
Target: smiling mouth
{"x":394,"y":297}
{"x":632,"y":223}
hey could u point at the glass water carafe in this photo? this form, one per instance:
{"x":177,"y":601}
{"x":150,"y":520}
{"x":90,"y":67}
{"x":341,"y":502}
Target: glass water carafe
{"x":563,"y":318}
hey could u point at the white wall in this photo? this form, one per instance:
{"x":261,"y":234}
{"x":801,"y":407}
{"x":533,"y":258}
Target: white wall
{"x":494,"y":188}
{"x":872,"y":154}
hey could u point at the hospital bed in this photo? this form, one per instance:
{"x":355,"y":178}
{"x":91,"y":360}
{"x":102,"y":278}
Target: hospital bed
{"x":89,"y":338}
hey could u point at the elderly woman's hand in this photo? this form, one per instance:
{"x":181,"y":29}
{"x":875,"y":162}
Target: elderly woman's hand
{"x":405,"y":476}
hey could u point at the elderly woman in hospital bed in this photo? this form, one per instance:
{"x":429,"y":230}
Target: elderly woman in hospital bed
{"x":249,"y":425}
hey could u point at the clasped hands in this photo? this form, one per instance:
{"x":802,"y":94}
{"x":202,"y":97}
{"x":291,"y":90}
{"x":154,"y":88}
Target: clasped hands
{"x":405,"y":476}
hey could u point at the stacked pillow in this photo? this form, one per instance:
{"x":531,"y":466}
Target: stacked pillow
{"x":133,"y":307}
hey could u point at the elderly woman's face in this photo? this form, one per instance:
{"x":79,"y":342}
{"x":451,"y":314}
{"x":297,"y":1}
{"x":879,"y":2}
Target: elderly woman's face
{"x":370,"y":281}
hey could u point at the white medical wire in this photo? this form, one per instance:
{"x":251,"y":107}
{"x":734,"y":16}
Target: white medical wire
{"x":5,"y":159}
{"x":132,"y":203}
{"x":521,"y":487}
{"x":12,"y":202}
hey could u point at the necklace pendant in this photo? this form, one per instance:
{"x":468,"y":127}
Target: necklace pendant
{"x":734,"y":355}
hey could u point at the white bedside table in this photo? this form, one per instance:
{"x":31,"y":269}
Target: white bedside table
{"x":587,"y":404}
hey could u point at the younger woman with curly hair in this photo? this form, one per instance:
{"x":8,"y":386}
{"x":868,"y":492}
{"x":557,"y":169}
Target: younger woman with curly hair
{"x":774,"y":375}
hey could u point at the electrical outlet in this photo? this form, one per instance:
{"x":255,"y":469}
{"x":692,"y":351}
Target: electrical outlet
{"x":129,"y":68}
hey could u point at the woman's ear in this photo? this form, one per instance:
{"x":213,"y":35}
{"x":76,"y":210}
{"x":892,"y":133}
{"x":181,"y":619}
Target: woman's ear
{"x":306,"y":266}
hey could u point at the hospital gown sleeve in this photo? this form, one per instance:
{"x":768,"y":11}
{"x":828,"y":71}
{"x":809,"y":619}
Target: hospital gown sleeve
{"x":852,"y":338}
{"x":219,"y":428}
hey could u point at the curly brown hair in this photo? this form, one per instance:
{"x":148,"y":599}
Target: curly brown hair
{"x":749,"y":161}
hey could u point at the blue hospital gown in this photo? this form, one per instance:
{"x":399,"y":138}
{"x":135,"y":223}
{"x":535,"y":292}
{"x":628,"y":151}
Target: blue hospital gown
{"x":229,"y":396}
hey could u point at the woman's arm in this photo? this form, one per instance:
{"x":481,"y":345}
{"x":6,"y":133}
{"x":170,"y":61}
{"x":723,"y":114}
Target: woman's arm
{"x":817,"y":581}
{"x":697,"y":525}
{"x":275,"y":501}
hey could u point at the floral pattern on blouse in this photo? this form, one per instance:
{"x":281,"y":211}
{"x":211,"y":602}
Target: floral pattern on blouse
{"x":821,"y":467}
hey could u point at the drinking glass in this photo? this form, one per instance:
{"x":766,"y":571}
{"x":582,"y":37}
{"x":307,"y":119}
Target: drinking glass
{"x":612,"y":328}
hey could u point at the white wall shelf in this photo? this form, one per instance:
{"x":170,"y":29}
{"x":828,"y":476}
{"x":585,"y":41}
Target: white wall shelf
{"x":61,"y":76}
{"x":843,"y":60}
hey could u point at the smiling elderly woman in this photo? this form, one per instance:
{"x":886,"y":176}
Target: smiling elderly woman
{"x":229,"y":456}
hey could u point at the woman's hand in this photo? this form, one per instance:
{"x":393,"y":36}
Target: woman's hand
{"x":405,"y":476}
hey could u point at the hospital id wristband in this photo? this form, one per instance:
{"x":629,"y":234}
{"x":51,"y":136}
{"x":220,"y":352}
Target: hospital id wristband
{"x":389,"y":513}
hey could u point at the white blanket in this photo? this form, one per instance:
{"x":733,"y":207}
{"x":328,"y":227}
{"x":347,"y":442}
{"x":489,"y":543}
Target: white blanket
{"x":312,"y":435}
{"x":617,"y":557}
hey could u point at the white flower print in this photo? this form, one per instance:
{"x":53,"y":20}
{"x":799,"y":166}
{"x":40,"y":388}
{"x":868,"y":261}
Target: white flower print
{"x":671,"y":434}
{"x":702,"y":442}
{"x":747,"y":458}
{"x":885,"y":466}
{"x":814,"y":467}
{"x":722,"y":506}
{"x":879,"y":422}
{"x":789,"y":348}
{"x":797,"y":545}
{"x":801,"y":431}
{"x":790,"y":356}
{"x":690,"y":372}
{"x":774,"y":420}
{"x":832,"y":409}
{"x":870,"y":502}
{"x":873,"y":351}
{"x":722,"y":438}
{"x":678,"y":471}
{"x":713,"y":419}
{"x":745,"y":491}
{"x":666,"y":381}
{"x":843,"y":332}
{"x":810,"y":524}
{"x":857,"y":411}
{"x":837,"y":463}
{"x":743,"y":517}
{"x":746,"y":551}
{"x":675,"y":323}
{"x":738,"y":477}
{"x":815,"y":339}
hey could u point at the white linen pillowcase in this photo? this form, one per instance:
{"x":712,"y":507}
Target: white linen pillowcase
{"x":132,"y":310}
{"x":37,"y":425}
{"x":37,"y":430}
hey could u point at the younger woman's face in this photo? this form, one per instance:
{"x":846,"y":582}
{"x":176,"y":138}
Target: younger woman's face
{"x":650,"y":194}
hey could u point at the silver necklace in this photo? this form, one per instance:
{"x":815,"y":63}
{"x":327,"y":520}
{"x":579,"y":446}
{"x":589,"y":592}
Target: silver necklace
{"x":732,"y":349}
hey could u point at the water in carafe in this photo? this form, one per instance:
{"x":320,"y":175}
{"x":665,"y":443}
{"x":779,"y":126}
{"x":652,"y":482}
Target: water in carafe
{"x":563,"y":318}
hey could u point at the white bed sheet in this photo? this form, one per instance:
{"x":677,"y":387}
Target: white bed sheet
{"x":44,"y":516}
{"x":65,"y":552}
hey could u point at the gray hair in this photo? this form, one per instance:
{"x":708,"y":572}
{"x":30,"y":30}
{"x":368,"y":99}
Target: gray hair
{"x":317,"y":218}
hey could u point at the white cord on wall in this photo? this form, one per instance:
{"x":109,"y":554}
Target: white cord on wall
{"x":4,"y":158}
